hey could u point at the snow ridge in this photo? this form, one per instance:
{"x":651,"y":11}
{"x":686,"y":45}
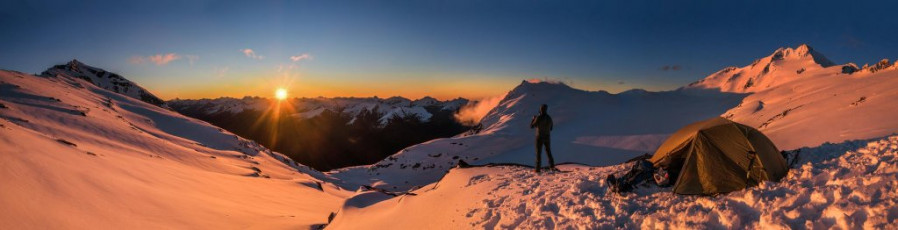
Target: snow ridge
{"x":103,"y":79}
{"x":782,"y":66}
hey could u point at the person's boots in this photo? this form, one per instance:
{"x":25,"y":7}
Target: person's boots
{"x":538,"y":161}
{"x":551,"y":160}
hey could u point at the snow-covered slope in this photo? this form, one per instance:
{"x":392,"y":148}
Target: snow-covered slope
{"x":782,"y":66}
{"x":103,"y":79}
{"x":824,"y":108}
{"x":801,"y":99}
{"x":589,"y":129}
{"x":76,"y":155}
{"x":311,"y":107}
{"x":845,"y":186}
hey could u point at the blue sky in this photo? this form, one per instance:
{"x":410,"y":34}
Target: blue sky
{"x":440,"y":48}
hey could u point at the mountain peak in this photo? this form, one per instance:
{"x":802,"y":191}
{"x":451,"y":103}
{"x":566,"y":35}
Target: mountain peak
{"x":783,"y":65}
{"x":103,"y":79}
{"x":803,"y":50}
{"x":73,"y":65}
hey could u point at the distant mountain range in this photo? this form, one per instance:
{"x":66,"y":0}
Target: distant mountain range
{"x":311,"y":107}
{"x":330,"y":133}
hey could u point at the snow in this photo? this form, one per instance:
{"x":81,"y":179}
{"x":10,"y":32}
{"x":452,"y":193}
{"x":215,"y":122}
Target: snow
{"x":823,"y":105}
{"x":77,"y":155}
{"x":418,"y":111}
{"x":836,"y":188}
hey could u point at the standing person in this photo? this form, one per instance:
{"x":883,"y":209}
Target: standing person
{"x":543,"y":125}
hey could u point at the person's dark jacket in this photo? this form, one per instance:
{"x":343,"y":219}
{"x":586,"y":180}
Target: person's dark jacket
{"x":543,"y":125}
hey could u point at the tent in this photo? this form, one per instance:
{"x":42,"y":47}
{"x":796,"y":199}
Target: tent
{"x":718,"y":156}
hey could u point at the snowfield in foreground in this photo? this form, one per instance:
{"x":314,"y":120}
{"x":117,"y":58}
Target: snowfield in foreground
{"x":75,"y":155}
{"x":849,"y":186}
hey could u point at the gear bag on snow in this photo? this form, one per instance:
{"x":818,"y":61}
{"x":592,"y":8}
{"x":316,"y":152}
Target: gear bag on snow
{"x":641,"y":172}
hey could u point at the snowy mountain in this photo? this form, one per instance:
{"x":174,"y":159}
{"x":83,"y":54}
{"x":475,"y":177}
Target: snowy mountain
{"x":79,"y":155}
{"x":805,"y":100}
{"x":780,"y":67}
{"x":103,"y":79}
{"x":310,"y":107}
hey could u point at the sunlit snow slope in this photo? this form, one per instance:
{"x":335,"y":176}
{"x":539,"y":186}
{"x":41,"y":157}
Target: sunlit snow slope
{"x":802,"y":99}
{"x":76,"y":155}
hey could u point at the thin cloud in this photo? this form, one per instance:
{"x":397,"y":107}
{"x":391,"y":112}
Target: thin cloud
{"x":252,"y":54}
{"x":137,"y":60}
{"x":158,"y":59}
{"x":163,"y":59}
{"x":220,"y":72}
{"x":192,"y":58}
{"x":300,"y":57}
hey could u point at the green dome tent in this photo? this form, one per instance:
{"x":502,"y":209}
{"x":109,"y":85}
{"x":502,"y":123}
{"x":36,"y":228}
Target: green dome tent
{"x":717,"y":156}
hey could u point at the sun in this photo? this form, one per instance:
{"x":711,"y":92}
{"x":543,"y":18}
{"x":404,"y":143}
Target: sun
{"x":280,"y":94}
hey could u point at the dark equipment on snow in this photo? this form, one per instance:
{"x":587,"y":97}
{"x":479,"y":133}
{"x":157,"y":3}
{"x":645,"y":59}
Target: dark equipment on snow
{"x":641,"y":172}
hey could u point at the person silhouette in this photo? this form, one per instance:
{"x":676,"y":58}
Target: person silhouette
{"x":543,"y":125}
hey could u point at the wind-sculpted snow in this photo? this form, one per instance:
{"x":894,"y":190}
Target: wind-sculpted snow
{"x":832,"y":188}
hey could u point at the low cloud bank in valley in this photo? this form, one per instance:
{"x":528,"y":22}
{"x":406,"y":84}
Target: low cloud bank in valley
{"x":471,"y":113}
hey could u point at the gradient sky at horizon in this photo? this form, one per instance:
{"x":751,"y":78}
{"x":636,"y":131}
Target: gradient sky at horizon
{"x":446,"y":49}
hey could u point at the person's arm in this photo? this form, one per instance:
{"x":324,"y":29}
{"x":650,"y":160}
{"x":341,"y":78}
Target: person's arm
{"x":533,"y":122}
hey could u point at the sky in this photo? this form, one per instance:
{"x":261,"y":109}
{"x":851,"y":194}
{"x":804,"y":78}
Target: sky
{"x":445,"y":49}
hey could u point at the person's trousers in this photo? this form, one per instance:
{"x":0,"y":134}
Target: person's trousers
{"x":540,"y":142}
